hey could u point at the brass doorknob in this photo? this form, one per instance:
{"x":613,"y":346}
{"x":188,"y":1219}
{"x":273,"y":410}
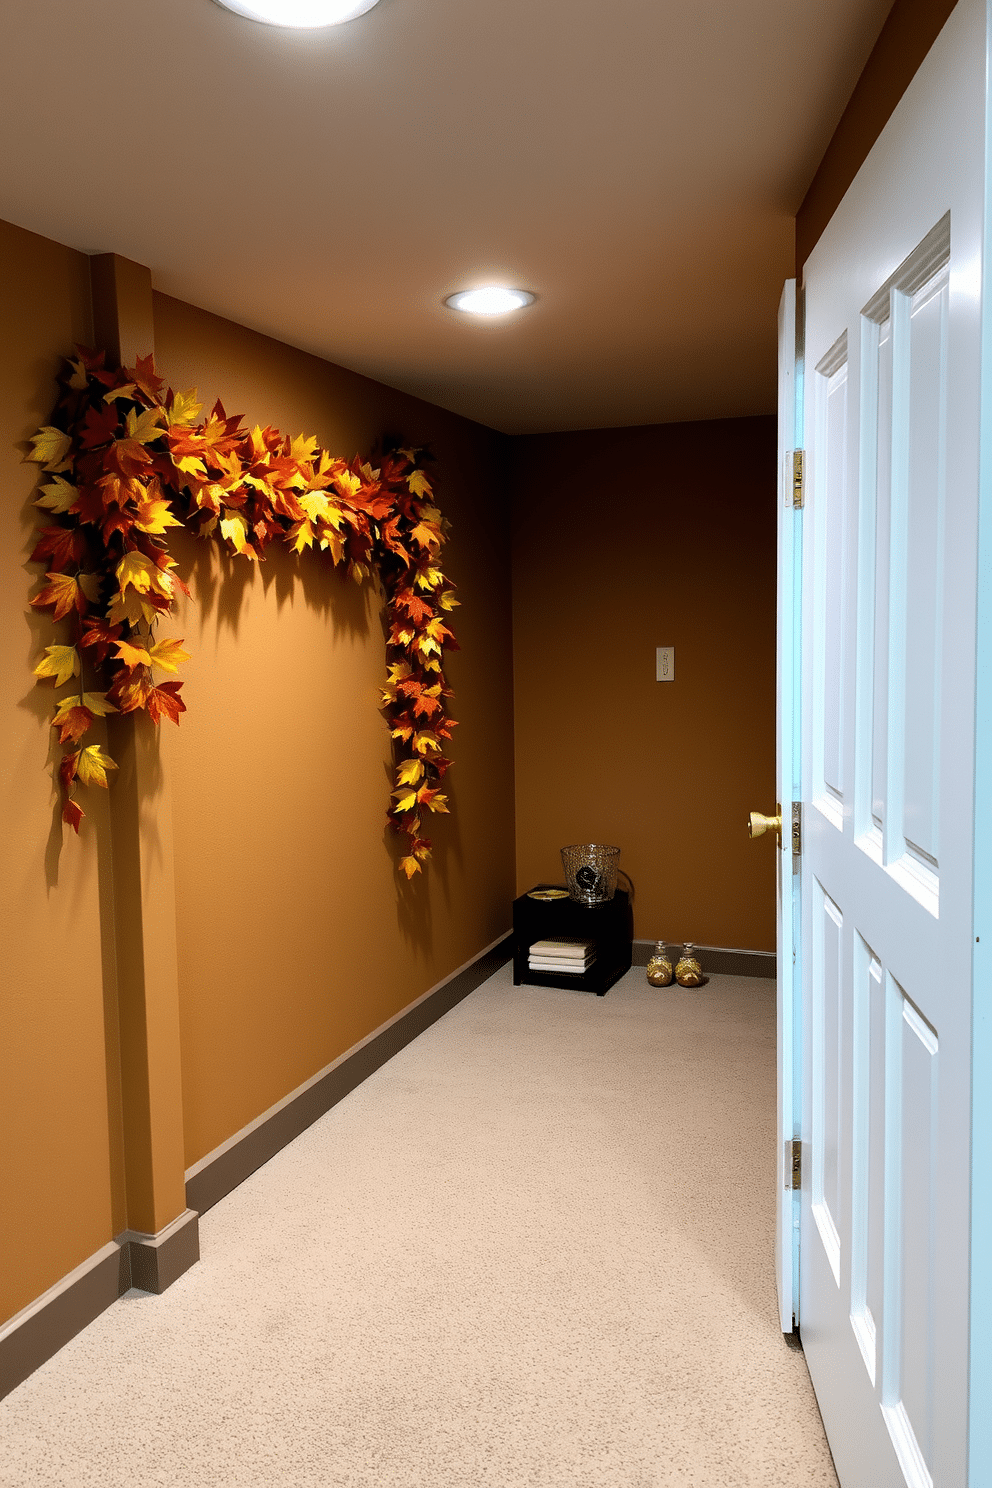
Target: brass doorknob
{"x":758,"y":825}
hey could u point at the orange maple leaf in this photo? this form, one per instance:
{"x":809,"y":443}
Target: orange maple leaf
{"x":143,"y":373}
{"x":130,"y":689}
{"x":63,"y":592}
{"x":72,"y":721}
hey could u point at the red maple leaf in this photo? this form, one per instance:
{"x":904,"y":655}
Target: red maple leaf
{"x":64,"y":545}
{"x":164,"y":702}
{"x":67,"y":770}
{"x":99,"y":426}
{"x":101,"y":636}
{"x":73,"y":815}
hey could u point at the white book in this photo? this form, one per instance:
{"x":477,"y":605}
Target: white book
{"x":564,"y":950}
{"x":570,"y":968}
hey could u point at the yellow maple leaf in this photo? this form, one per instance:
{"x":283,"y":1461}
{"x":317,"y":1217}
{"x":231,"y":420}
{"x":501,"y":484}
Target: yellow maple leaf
{"x":234,"y":527}
{"x":57,"y":496}
{"x":145,"y":426}
{"x":185,"y":409}
{"x":302,"y":448}
{"x":168,"y":654}
{"x":191,"y":465}
{"x":425,"y":742}
{"x":405,"y":800}
{"x":429,"y":578}
{"x":316,"y":505}
{"x":348,"y":483}
{"x":422,"y":853}
{"x":50,"y":448}
{"x":399,"y":671}
{"x":448,"y":601}
{"x":155,"y":515}
{"x":329,"y":539}
{"x":131,"y":607}
{"x":419,"y":484}
{"x":409,"y":866}
{"x":137,"y":570}
{"x":127,"y":391}
{"x":301,"y":536}
{"x":97,"y":704}
{"x":60,"y":662}
{"x":410,"y":772}
{"x":93,"y":765}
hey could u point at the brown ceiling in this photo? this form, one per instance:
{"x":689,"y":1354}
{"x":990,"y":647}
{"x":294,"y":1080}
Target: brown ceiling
{"x":636,"y":163}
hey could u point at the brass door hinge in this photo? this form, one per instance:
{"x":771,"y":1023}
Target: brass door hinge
{"x":794,"y":1164}
{"x":798,"y":489}
{"x":797,"y":828}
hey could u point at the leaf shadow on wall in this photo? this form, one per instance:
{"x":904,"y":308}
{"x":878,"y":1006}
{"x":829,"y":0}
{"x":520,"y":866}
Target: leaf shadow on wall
{"x":222,"y":586}
{"x":415,"y":897}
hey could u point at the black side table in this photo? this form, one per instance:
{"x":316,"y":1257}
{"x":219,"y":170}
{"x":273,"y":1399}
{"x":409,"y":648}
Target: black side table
{"x":609,"y":925}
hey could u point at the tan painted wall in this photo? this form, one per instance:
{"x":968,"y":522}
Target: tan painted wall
{"x":625,"y":540}
{"x":55,"y":1162}
{"x":294,"y":940}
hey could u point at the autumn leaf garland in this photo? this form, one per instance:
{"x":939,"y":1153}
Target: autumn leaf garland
{"x":126,"y":459}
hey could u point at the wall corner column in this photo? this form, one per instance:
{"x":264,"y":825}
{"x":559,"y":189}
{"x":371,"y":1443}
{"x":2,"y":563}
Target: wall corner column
{"x":144,"y":913}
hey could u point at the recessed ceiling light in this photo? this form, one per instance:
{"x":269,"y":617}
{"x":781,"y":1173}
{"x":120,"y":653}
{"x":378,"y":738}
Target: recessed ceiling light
{"x":492,"y":299}
{"x":299,"y":13}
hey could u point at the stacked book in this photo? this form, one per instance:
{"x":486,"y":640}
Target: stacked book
{"x":570,"y":956}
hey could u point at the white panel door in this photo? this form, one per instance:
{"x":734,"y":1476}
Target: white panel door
{"x":892,"y":427}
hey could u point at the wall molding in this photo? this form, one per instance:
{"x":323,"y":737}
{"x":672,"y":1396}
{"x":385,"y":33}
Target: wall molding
{"x":717,"y":960}
{"x":222,"y":1170}
{"x":131,"y":1259}
{"x":154,"y":1262}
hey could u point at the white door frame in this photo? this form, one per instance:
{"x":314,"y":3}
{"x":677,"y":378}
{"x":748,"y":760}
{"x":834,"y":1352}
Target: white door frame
{"x":788,"y":653}
{"x":980,"y":1280}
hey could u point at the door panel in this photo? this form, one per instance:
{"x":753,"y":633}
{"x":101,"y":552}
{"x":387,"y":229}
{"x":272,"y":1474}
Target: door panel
{"x":893,"y":352}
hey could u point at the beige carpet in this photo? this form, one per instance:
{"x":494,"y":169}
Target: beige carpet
{"x":534,"y":1249}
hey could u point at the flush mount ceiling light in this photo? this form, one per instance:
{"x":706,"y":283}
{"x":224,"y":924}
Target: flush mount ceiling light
{"x":492,"y":299}
{"x":299,"y":13}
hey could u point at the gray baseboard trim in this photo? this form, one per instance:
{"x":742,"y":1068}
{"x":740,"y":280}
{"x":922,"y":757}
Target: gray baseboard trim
{"x":717,"y":960}
{"x":154,"y":1262}
{"x":216,"y":1175}
{"x":47,"y":1324}
{"x":132,"y":1259}
{"x":159,"y":1260}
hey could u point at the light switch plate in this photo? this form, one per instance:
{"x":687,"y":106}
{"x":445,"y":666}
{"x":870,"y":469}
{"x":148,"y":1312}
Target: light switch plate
{"x":665,"y":664}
